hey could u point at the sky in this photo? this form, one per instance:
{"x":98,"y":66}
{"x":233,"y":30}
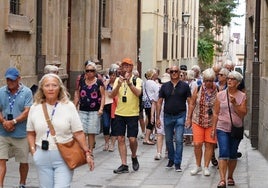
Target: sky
{"x":241,"y":10}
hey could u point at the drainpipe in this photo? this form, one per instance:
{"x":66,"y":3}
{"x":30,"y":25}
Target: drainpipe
{"x":139,"y":64}
{"x":99,"y":34}
{"x":69,"y":42}
{"x":39,"y":58}
{"x":254,"y":132}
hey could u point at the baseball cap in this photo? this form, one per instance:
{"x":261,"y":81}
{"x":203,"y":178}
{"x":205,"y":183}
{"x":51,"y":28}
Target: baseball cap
{"x":127,"y":60}
{"x":12,"y":73}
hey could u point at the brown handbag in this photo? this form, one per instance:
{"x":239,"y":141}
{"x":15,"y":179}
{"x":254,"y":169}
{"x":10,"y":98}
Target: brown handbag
{"x":73,"y":155}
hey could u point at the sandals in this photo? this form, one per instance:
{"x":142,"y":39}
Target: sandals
{"x":148,"y":143}
{"x":106,"y":146}
{"x":221,"y":184}
{"x":230,"y":182}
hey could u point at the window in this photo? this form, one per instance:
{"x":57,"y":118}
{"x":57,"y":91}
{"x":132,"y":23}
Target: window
{"x":105,"y":13}
{"x":14,"y":6}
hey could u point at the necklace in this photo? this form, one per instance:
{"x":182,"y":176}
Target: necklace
{"x":90,"y":82}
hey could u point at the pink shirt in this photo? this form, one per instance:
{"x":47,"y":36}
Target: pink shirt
{"x":224,"y":122}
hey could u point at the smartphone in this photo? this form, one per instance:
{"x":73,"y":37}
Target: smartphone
{"x":10,"y":116}
{"x":124,"y":99}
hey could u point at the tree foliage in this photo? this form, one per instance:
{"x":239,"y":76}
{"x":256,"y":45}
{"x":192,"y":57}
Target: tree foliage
{"x":213,"y":14}
{"x":205,"y":52}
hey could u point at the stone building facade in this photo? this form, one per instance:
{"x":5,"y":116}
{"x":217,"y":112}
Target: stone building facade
{"x":256,"y":73}
{"x":165,"y":38}
{"x":65,"y":33}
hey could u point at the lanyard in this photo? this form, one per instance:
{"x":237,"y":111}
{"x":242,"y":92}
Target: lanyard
{"x":125,"y":89}
{"x":12,"y":100}
{"x":52,"y":114}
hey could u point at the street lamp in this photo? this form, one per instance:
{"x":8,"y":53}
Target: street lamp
{"x":201,"y":28}
{"x":185,"y":18}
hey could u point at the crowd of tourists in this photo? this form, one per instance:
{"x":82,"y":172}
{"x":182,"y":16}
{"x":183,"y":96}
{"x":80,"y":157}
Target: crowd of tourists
{"x":181,"y":107}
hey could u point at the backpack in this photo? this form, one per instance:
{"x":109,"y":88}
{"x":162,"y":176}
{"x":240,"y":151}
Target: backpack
{"x":134,"y":81}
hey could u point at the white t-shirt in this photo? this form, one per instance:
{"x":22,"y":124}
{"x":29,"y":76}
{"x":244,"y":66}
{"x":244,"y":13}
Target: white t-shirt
{"x":65,"y":121}
{"x":150,"y":89}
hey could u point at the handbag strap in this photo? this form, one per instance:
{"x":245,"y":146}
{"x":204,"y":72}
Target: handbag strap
{"x":229,"y":106}
{"x":48,"y":120}
{"x":146,"y":92}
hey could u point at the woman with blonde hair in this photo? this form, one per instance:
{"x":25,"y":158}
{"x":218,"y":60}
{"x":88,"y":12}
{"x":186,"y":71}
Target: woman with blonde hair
{"x":150,"y":88}
{"x":52,"y":169}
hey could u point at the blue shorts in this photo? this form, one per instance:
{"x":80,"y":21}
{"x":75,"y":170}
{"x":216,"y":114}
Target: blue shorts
{"x":121,"y":124}
{"x":90,"y":121}
{"x":228,"y":146}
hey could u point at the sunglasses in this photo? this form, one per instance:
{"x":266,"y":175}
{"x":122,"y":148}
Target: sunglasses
{"x":90,"y":70}
{"x":221,"y":74}
{"x":231,"y":79}
{"x":173,"y":71}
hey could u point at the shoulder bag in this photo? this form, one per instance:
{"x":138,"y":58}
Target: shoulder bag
{"x":236,"y":132}
{"x":147,"y":103}
{"x":73,"y":155}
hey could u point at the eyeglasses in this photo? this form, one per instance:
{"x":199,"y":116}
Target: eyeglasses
{"x":173,"y":71}
{"x":231,"y":79}
{"x":90,"y":70}
{"x":221,"y":74}
{"x":208,"y":80}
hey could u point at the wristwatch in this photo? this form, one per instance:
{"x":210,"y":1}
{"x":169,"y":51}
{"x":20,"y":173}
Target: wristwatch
{"x":14,"y":121}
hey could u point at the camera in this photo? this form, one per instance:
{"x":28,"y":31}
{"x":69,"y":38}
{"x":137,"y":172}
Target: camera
{"x":10,"y":116}
{"x":124,"y":99}
{"x":45,"y":145}
{"x":210,"y":112}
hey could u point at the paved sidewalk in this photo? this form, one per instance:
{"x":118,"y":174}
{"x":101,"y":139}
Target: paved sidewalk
{"x":251,"y":171}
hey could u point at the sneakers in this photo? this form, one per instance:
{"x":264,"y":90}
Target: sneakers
{"x":206,"y":172}
{"x":158,"y":156}
{"x":196,"y":170}
{"x":22,"y":186}
{"x":178,"y":168}
{"x":135,"y":163}
{"x":121,"y":169}
{"x":170,"y":164}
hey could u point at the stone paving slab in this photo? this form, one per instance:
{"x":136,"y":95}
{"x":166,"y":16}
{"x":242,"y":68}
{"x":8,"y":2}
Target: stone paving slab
{"x":251,"y":171}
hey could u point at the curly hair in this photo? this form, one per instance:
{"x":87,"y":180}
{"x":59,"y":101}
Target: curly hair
{"x":63,"y":95}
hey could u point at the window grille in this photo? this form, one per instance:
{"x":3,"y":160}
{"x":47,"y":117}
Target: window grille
{"x":14,"y":6}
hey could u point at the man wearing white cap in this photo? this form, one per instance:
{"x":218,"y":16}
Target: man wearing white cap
{"x":15,"y":102}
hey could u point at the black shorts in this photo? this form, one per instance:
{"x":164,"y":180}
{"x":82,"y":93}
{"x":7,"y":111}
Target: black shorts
{"x":122,"y":123}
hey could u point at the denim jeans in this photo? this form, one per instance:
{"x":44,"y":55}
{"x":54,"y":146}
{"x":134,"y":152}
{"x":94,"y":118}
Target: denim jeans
{"x":228,"y":145}
{"x":174,"y":126}
{"x":106,"y":117}
{"x":52,"y":170}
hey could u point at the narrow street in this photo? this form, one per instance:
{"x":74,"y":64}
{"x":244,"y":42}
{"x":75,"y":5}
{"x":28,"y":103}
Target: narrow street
{"x":251,"y":171}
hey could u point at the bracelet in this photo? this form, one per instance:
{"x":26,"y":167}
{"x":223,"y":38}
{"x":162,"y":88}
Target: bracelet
{"x":14,"y":121}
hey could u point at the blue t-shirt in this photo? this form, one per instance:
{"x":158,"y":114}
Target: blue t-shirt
{"x":15,"y":104}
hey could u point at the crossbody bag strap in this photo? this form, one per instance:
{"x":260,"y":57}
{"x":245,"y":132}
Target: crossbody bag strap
{"x":229,"y":106}
{"x":48,"y":120}
{"x":146,"y":92}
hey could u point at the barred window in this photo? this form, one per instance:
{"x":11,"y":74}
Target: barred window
{"x":14,"y":6}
